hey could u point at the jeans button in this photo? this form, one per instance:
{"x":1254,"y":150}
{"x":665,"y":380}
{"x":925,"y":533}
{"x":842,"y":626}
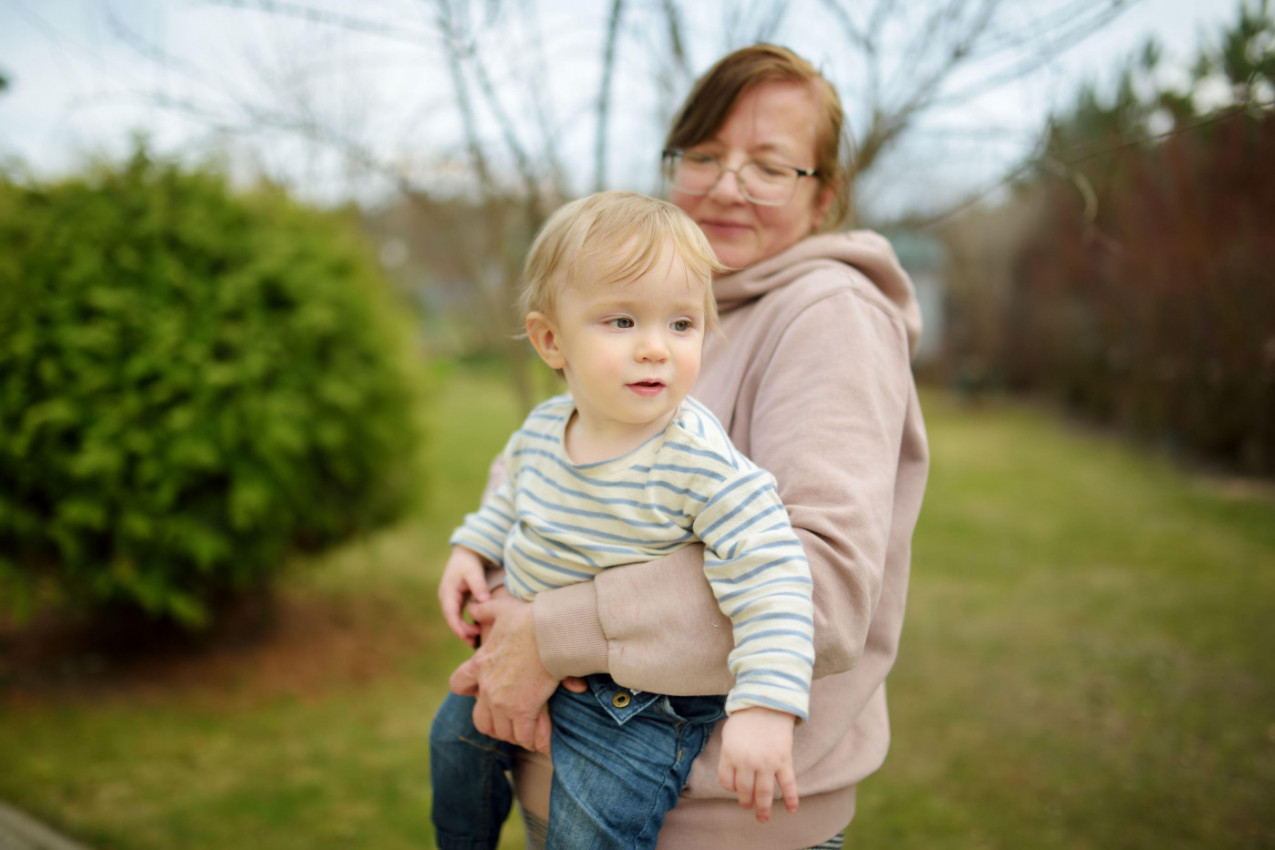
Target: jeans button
{"x":621,"y":699}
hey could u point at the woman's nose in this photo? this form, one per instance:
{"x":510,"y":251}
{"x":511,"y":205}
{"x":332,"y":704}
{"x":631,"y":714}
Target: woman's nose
{"x":728,"y":189}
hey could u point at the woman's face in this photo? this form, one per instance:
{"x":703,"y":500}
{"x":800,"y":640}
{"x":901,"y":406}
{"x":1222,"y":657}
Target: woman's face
{"x":775,"y":122}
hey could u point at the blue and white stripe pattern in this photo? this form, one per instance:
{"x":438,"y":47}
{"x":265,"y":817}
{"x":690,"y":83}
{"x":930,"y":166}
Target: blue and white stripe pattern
{"x":555,"y":523}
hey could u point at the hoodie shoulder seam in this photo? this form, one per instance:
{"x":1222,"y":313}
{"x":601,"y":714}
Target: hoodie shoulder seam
{"x":851,"y":282}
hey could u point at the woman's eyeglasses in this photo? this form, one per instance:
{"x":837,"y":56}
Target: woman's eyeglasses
{"x":764,"y":183}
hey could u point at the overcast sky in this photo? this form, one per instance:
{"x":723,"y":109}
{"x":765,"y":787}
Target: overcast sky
{"x":80,"y":86}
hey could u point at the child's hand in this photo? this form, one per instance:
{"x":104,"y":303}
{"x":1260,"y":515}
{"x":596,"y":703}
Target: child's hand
{"x":462,"y":577}
{"x":757,"y":752}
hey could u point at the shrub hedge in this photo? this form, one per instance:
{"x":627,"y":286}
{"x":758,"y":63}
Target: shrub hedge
{"x":193,"y":384}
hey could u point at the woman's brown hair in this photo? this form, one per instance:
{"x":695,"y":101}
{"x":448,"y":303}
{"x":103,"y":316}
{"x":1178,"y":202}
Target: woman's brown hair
{"x":714,"y":96}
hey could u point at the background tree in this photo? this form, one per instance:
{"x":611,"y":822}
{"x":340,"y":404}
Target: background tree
{"x":511,"y":106}
{"x":1143,"y":299}
{"x":194,"y":383}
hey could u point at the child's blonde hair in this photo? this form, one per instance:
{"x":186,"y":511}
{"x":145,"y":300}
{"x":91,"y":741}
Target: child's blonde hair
{"x":611,"y":237}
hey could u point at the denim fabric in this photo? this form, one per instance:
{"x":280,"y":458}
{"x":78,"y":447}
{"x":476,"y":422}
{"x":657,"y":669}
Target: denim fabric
{"x":620,"y":760}
{"x":472,"y":795}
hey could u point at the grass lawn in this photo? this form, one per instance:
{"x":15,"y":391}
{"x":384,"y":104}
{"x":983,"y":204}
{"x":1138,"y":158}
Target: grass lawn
{"x":1087,"y":663}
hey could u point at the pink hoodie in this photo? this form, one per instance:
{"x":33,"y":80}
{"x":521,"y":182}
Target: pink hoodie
{"x":813,"y":382}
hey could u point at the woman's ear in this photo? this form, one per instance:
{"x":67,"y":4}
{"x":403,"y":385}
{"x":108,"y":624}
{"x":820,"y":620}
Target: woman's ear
{"x":823,"y":203}
{"x":544,"y":338}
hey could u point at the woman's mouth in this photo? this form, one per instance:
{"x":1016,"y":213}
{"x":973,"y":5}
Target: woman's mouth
{"x":722,"y":227}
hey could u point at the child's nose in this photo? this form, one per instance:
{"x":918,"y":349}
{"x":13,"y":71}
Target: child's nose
{"x":651,"y":346}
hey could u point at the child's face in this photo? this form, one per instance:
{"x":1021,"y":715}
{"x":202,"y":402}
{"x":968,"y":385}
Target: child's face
{"x":630,"y":350}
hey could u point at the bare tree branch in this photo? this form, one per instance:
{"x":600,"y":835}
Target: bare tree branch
{"x":604,"y":95}
{"x":545,"y":122}
{"x":351,"y":23}
{"x":746,"y":25}
{"x":951,"y":37}
{"x":454,"y":51}
{"x":1056,"y":40}
{"x":673,"y":68}
{"x":485,"y":61}
{"x":772,"y":18}
{"x":677,"y":43}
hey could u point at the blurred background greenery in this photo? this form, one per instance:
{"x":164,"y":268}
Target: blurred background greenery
{"x":237,"y":426}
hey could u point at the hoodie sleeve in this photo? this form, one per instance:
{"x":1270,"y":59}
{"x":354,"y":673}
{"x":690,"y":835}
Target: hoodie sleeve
{"x":825,"y":401}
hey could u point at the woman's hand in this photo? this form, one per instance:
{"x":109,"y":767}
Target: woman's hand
{"x":506,"y":676}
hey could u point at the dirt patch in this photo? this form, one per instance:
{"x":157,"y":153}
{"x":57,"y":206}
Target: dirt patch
{"x":300,"y":644}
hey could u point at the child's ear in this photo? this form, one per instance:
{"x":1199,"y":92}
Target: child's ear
{"x":544,"y":338}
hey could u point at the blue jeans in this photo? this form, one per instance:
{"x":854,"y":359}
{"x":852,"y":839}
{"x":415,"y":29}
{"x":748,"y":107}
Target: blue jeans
{"x":472,"y":795}
{"x":620,"y":759}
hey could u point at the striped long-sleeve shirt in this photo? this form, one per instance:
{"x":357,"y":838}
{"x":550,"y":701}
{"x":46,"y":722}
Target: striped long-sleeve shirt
{"x":554,"y":522}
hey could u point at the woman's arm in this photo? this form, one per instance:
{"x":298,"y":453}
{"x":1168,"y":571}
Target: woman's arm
{"x":825,"y":416}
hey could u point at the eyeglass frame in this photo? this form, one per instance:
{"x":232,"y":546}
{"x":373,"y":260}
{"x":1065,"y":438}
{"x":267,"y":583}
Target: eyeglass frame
{"x":722,"y":171}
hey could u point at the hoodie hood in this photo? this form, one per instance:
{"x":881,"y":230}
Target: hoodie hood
{"x":867,"y":252}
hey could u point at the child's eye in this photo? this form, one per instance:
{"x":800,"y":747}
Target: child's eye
{"x":621,"y":322}
{"x":682,"y":325}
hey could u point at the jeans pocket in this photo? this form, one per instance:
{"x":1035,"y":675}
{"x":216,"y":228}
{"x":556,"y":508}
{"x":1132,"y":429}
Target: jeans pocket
{"x":619,"y":702}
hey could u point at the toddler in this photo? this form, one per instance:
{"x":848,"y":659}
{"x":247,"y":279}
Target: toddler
{"x":627,"y":467}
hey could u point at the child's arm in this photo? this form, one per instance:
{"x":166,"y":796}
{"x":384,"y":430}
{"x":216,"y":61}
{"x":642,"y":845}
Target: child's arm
{"x":477,"y":545}
{"x":757,"y":754}
{"x":464,"y":576}
{"x":758,"y":571}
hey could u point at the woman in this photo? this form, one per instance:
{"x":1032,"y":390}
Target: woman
{"x":812,"y":380}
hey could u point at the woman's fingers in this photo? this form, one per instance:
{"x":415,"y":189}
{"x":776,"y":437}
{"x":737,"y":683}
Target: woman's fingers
{"x":464,"y":679}
{"x":483,"y":720}
{"x":525,"y":731}
{"x":512,"y":684}
{"x":544,"y":733}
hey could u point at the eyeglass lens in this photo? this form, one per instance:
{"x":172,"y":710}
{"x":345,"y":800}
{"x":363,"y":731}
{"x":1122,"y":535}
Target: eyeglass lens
{"x":759,"y":182}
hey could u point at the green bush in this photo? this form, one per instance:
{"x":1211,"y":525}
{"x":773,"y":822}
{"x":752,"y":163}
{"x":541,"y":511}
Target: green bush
{"x":193,"y":384}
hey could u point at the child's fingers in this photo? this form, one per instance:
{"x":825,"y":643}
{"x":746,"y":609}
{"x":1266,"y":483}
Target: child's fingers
{"x":475,"y":582}
{"x":744,"y":788}
{"x":469,"y":634}
{"x":726,"y":775}
{"x":452,"y":606}
{"x":764,"y":796}
{"x":453,"y":613}
{"x":465,"y":631}
{"x":462,"y":579}
{"x":788,"y":787}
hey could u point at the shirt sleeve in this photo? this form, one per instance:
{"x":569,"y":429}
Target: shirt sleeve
{"x":758,"y":573}
{"x":486,"y":530}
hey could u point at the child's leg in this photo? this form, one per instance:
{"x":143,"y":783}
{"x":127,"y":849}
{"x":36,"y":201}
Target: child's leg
{"x":472,"y":795}
{"x":613,"y":783}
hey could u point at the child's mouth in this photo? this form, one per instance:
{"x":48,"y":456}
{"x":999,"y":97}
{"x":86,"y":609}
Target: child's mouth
{"x":647,"y":388}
